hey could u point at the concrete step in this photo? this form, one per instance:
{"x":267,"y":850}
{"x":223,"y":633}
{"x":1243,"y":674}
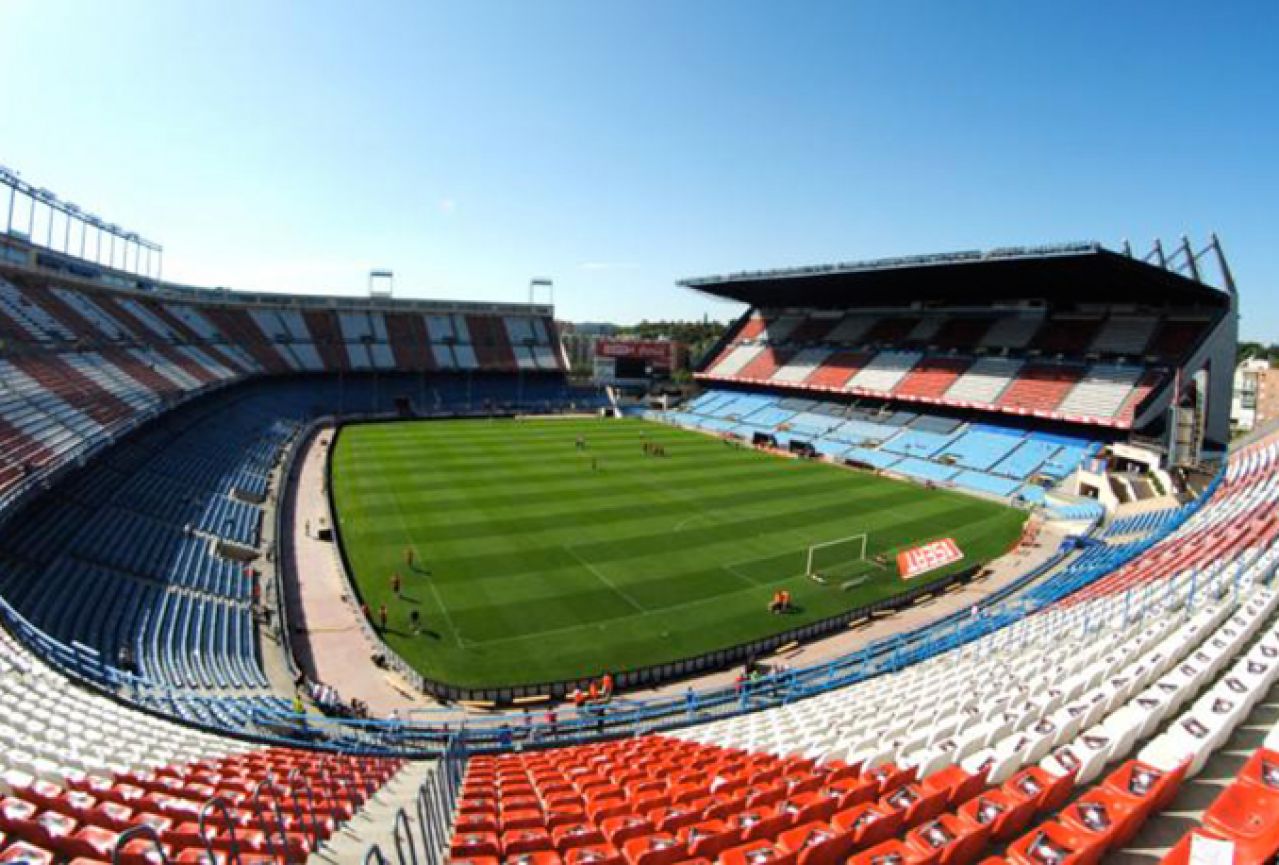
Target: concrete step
{"x":375,"y":822}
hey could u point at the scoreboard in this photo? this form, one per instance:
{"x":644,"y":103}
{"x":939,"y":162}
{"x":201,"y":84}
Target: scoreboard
{"x":635,"y":361}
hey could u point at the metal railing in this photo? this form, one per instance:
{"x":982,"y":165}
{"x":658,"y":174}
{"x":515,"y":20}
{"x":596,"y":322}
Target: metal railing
{"x":433,"y":808}
{"x":150,"y":833}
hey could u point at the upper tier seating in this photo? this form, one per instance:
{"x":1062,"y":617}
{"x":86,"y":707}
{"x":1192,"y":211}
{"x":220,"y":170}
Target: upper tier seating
{"x":984,"y":381}
{"x":961,"y":332}
{"x":884,"y":371}
{"x":1040,"y":387}
{"x":212,"y":339}
{"x":731,"y":363}
{"x":811,"y":330}
{"x":82,"y":366}
{"x":1102,"y":392}
{"x":837,"y":369}
{"x":357,"y":336}
{"x":764,"y":364}
{"x":1124,"y":335}
{"x":851,"y":329}
{"x":30,"y":320}
{"x":1068,"y":335}
{"x":1175,"y":335}
{"x":890,"y":330}
{"x":1012,"y":331}
{"x":777,"y":329}
{"x":801,"y":365}
{"x":940,"y":355}
{"x":932,"y":377}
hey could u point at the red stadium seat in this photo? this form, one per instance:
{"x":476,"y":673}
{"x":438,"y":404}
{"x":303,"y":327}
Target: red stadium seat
{"x":567,"y":837}
{"x":594,"y":854}
{"x":817,"y":843}
{"x":1053,"y":844}
{"x":916,"y":805}
{"x":536,"y":857}
{"x":22,"y":853}
{"x":658,"y":848}
{"x":757,"y":853}
{"x":672,"y":819}
{"x":1007,"y":815}
{"x":523,"y":819}
{"x":759,"y":823}
{"x":474,"y":845}
{"x":471,"y":823}
{"x":1103,"y":817}
{"x":868,"y":823}
{"x":1048,"y":793}
{"x":525,"y":841}
{"x":888,"y":778}
{"x":813,"y":806}
{"x":619,"y":830}
{"x":958,"y":841}
{"x":959,"y":784}
{"x":894,"y":852}
{"x":709,"y":838}
{"x":1246,"y":814}
{"x":1261,"y":770}
{"x":1140,"y":781}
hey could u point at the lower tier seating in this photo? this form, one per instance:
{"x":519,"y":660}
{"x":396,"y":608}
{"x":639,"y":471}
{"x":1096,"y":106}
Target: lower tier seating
{"x":984,"y":458}
{"x":78,"y":770}
{"x":141,"y":564}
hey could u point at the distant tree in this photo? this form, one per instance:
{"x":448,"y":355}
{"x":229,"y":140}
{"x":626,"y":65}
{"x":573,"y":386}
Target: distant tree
{"x":699,"y":336}
{"x":1249,"y":350}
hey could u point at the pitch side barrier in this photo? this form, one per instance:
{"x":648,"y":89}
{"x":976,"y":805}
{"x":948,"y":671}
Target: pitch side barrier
{"x":427,"y":733}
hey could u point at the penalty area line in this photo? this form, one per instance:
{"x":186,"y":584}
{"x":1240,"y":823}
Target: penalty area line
{"x":605,"y":580}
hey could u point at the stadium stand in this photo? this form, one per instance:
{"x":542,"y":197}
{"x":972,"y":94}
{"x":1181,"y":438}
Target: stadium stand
{"x":985,"y":458}
{"x":79,"y":771}
{"x":1017,"y":331}
{"x":1101,"y":392}
{"x":932,"y":377}
{"x":1019,"y":723}
{"x":141,"y":426}
{"x":884,"y":371}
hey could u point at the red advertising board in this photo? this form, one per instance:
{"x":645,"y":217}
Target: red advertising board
{"x":654,"y":350}
{"x":927,"y":557}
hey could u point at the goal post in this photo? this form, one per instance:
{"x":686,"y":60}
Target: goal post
{"x":839,"y":557}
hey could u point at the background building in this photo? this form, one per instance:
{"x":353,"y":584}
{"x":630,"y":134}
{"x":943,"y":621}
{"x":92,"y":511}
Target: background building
{"x":1255,"y":400}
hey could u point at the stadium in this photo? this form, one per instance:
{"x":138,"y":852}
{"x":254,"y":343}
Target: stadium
{"x":664,"y":433}
{"x":943,"y":557}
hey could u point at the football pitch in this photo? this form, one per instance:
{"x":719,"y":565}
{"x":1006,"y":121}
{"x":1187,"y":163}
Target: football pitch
{"x":536,"y":560}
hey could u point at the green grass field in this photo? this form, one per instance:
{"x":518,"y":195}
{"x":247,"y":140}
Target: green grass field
{"x":532,"y":566}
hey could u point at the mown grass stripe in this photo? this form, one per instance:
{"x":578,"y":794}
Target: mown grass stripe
{"x":535,"y":567}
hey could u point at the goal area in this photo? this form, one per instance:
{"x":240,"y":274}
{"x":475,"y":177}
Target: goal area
{"x":838,"y":559}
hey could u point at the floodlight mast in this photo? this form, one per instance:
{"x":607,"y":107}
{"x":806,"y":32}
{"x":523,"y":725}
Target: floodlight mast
{"x":541,"y":282}
{"x":381,"y":283}
{"x":44,"y":203}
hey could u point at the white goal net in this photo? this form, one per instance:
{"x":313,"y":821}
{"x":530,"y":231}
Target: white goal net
{"x":842,"y":557}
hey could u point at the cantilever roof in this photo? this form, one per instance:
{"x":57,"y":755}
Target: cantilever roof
{"x":1065,"y":274}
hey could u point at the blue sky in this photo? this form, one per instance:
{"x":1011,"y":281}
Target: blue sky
{"x":617,"y":147}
